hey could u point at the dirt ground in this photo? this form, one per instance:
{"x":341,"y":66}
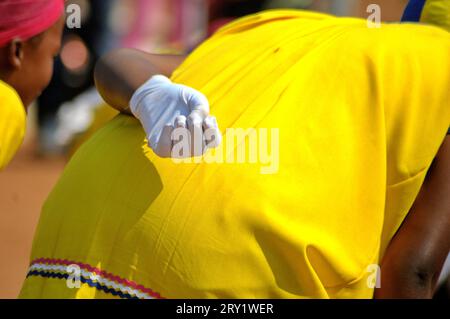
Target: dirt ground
{"x":24,"y":186}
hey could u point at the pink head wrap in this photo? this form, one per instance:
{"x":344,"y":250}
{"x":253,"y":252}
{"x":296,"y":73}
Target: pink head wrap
{"x":24,"y":19}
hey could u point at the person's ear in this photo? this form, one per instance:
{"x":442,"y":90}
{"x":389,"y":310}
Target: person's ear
{"x":16,"y":54}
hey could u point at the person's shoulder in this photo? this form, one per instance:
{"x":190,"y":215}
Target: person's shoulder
{"x":437,"y":12}
{"x":8,"y":92}
{"x":12,"y":124}
{"x":11,"y":103}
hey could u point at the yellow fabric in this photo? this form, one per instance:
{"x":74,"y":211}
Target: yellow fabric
{"x":102,"y":115}
{"x":361,"y":114}
{"x":12,"y":123}
{"x":437,"y":12}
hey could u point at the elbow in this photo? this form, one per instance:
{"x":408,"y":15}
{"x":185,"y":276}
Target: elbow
{"x":100,"y":70}
{"x":423,"y":279}
{"x":104,"y":68}
{"x":106,"y":73}
{"x":408,"y":278}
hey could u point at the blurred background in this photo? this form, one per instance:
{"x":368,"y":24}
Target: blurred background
{"x":70,"y":110}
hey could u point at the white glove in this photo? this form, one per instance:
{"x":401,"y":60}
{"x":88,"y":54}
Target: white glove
{"x":163,"y":106}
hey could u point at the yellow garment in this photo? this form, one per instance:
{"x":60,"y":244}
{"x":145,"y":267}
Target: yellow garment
{"x":361,"y":114}
{"x":102,"y":115}
{"x":437,"y":12}
{"x":12,"y":123}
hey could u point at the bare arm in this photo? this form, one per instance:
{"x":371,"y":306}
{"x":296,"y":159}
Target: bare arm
{"x":414,"y":258}
{"x":120,"y":73}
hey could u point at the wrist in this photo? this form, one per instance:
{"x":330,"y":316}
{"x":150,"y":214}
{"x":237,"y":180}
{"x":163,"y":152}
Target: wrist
{"x":135,"y":103}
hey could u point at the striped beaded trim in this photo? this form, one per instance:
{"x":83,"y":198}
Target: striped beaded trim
{"x":92,"y":276}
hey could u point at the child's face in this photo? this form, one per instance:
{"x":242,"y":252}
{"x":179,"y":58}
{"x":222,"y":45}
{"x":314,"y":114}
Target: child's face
{"x":37,"y":68}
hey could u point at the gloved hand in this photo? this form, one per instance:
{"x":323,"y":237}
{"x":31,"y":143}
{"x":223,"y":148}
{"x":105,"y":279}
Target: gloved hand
{"x":164,"y":108}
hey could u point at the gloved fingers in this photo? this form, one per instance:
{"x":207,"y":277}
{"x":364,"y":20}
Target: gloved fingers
{"x":160,"y":79}
{"x":213,"y":137}
{"x":181,"y":121}
{"x":195,"y":100}
{"x":179,"y":134}
{"x":195,"y":127}
{"x":164,"y":146}
{"x":199,"y":115}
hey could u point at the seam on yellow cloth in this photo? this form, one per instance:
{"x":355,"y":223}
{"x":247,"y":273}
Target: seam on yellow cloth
{"x":409,"y":178}
{"x":363,"y":272}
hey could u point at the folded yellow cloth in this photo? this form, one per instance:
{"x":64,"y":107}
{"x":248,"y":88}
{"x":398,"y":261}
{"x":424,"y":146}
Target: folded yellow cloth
{"x":360,"y":113}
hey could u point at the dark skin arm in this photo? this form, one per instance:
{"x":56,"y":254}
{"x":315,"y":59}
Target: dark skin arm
{"x":120,"y":73}
{"x":415,"y":256}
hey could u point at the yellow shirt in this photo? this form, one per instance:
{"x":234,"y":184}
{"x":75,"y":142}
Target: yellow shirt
{"x":358,"y":114}
{"x":437,"y":12}
{"x":12,"y":123}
